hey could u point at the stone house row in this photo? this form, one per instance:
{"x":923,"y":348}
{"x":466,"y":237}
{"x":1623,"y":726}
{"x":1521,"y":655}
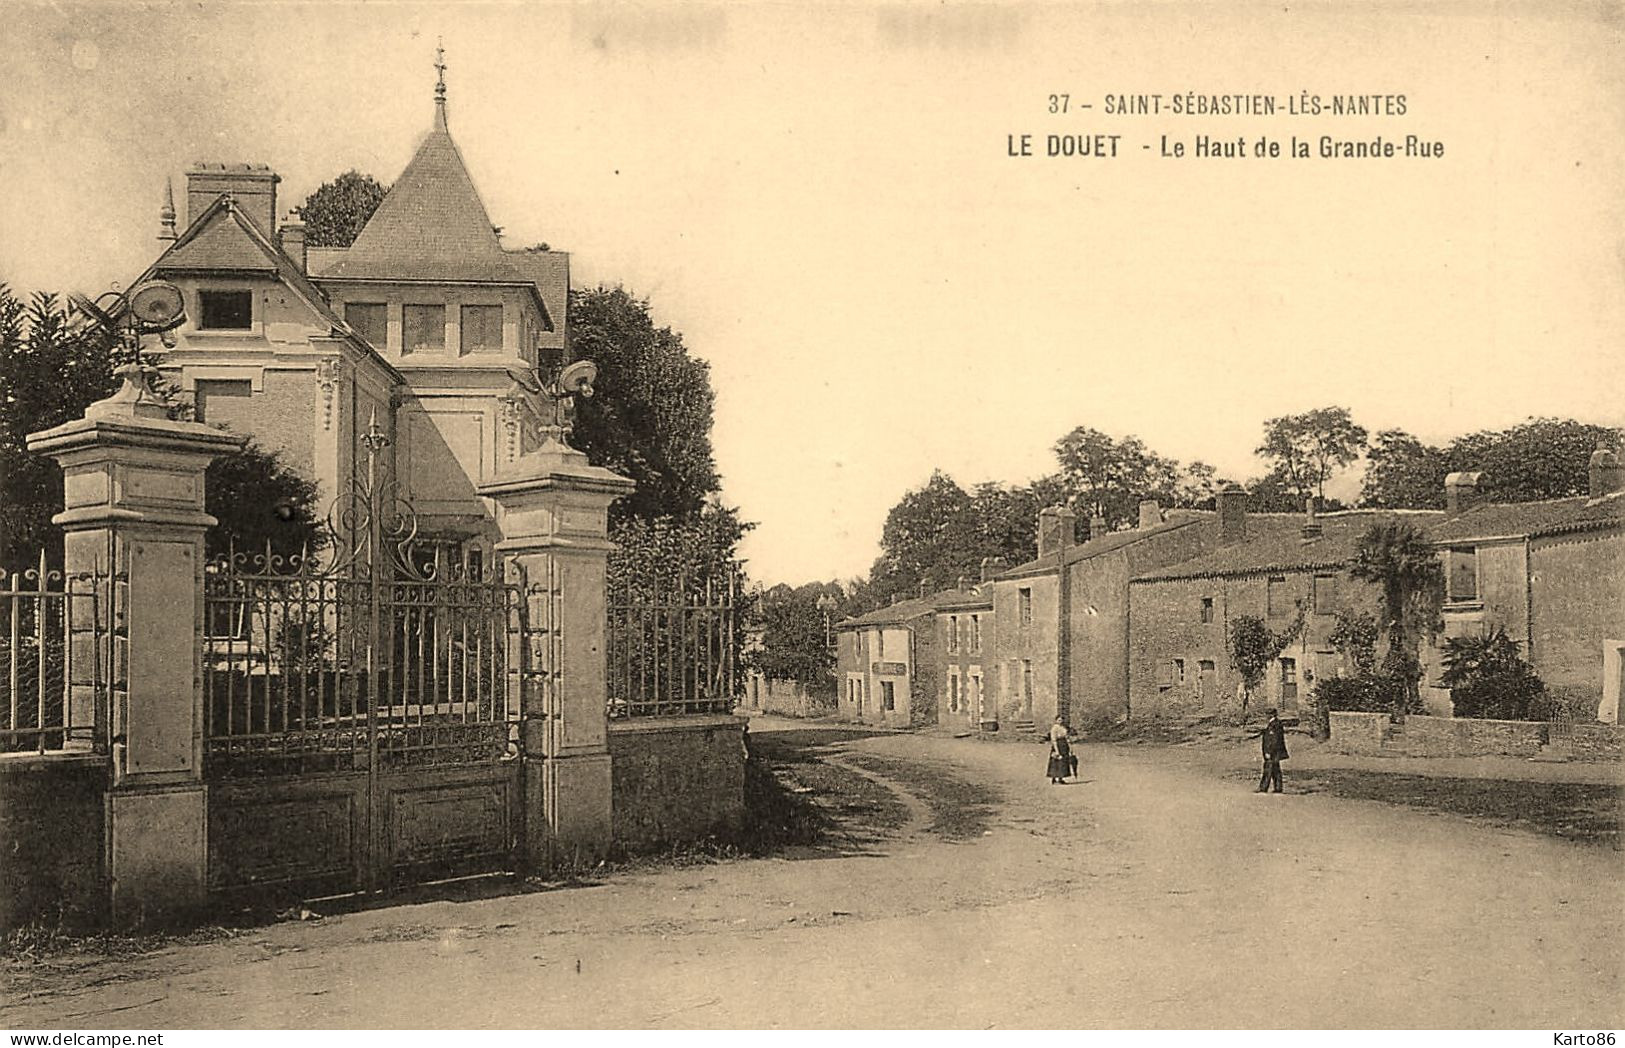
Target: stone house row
{"x":1133,"y":624}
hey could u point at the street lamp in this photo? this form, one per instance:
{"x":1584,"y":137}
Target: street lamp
{"x":155,"y":307}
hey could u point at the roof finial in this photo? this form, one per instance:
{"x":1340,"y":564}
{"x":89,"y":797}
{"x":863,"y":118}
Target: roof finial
{"x":440,"y":85}
{"x":166,"y":214}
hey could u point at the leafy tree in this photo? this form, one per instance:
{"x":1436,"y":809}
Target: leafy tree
{"x":1402,"y":472}
{"x":337,"y":211}
{"x":1274,"y":493}
{"x":1108,"y":478}
{"x":1542,"y":458}
{"x":931,"y":535}
{"x":795,"y":635}
{"x":1254,"y":647}
{"x":262,"y":504}
{"x":651,"y":416}
{"x":1397,"y":557}
{"x":1354,"y":635}
{"x":1304,"y":450}
{"x":1198,"y":486}
{"x":1487,"y":677}
{"x":49,"y":374}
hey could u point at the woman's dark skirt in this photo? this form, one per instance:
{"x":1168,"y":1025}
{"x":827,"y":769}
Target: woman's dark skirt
{"x":1060,"y":760}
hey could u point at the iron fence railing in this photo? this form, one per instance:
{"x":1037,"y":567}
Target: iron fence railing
{"x":56,"y":637}
{"x":672,"y":646}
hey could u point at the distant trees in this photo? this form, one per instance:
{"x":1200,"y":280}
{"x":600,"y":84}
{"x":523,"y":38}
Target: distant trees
{"x":795,"y":624}
{"x":1304,"y":450}
{"x":1107,"y":477}
{"x":337,"y":211}
{"x":1542,"y":458}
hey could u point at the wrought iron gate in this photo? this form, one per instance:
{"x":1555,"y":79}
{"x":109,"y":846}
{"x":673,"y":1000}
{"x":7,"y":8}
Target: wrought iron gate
{"x":362,"y":704}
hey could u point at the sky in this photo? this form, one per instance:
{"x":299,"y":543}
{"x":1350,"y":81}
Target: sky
{"x":824,"y":202}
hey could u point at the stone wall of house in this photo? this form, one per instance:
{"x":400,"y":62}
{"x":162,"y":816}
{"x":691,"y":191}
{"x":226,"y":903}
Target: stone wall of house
{"x":1101,"y":619}
{"x":1577,"y":590}
{"x":1017,"y":644}
{"x":676,"y":779}
{"x":281,"y":417}
{"x":52,"y":844}
{"x":1358,"y":733}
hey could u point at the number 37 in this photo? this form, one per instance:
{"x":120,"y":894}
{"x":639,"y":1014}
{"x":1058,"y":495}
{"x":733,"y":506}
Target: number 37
{"x":1058,"y":103}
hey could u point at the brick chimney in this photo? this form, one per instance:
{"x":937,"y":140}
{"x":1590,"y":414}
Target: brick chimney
{"x":1460,"y":492}
{"x":1097,"y":527}
{"x":925,"y":588}
{"x":293,"y":240}
{"x":1311,"y":519}
{"x":253,"y":186}
{"x":1055,"y":524}
{"x":1150,"y":514}
{"x":1231,"y":504}
{"x":1606,"y":474}
{"x":992,"y":566}
{"x":962,"y":583}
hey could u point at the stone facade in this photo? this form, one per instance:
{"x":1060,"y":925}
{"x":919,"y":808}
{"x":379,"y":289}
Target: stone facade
{"x":966,"y":642}
{"x":889,"y":664}
{"x":1373,"y":734}
{"x":1179,"y":664}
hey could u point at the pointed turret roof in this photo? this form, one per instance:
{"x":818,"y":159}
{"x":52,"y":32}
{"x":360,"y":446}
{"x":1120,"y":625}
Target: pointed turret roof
{"x":432,"y":224}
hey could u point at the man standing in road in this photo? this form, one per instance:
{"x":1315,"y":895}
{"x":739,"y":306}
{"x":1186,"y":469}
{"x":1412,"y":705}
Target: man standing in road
{"x":1274,"y":737}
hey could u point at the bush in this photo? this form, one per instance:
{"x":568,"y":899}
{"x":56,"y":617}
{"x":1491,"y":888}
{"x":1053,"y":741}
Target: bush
{"x":1371,"y":692}
{"x":1488,"y":678}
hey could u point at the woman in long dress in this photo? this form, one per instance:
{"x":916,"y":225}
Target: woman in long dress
{"x":1060,"y":753}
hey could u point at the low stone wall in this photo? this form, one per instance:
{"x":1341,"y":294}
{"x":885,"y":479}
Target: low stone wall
{"x":676,"y":779}
{"x":52,"y":865}
{"x":1599,"y":742}
{"x":1357,"y":732}
{"x":1371,"y":733}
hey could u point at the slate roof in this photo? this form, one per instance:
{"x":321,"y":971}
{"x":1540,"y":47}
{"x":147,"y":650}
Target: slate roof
{"x":431,"y":226}
{"x":902,"y":611}
{"x":1176,"y":518}
{"x":1533,"y":519}
{"x":223,"y":238}
{"x":1275,"y":543}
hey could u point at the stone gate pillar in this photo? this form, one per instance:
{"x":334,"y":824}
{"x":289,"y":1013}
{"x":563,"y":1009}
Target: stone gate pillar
{"x":133,"y":492}
{"x":552,"y":508}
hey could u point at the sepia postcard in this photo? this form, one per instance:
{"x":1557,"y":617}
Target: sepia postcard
{"x":914,"y":516}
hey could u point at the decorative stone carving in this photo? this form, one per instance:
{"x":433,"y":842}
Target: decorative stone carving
{"x":328,"y":370}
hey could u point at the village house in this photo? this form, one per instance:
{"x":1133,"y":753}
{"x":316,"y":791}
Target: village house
{"x":890,"y":668}
{"x":966,"y":628}
{"x":1062,"y":618}
{"x":1551,"y":574}
{"x":1283,"y":566}
{"x":425,"y":326}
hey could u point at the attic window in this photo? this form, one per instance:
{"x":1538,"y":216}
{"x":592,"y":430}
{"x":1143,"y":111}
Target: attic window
{"x":226,"y":310}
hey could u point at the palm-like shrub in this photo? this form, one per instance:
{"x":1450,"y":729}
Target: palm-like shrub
{"x":1488,"y":677}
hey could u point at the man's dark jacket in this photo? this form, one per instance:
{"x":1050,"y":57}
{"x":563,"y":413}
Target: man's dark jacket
{"x":1275,"y":740}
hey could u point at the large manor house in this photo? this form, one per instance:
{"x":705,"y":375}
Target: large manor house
{"x":426,"y":325}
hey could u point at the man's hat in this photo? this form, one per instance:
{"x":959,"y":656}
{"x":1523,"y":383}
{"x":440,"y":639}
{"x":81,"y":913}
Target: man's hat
{"x":1269,"y":711}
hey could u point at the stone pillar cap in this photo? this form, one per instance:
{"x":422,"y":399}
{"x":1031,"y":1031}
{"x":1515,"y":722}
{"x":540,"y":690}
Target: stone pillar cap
{"x":554,"y":465}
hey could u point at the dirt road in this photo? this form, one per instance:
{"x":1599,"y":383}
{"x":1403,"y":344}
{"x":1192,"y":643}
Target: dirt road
{"x":1153,"y":894}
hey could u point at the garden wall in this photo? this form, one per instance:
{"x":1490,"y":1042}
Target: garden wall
{"x":52,"y":868}
{"x":676,"y":779}
{"x":1371,"y":733}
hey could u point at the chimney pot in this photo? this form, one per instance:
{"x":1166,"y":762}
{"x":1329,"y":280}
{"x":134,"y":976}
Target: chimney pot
{"x":1461,"y":492}
{"x":1311,"y":522}
{"x":1606,"y":475}
{"x":1055,"y":524}
{"x":992,"y":566}
{"x":252,"y":186}
{"x":293,"y":241}
{"x":1231,"y":506}
{"x":1097,"y":527}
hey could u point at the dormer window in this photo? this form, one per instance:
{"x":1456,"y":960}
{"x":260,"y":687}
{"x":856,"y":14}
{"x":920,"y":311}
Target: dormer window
{"x":225,"y":310}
